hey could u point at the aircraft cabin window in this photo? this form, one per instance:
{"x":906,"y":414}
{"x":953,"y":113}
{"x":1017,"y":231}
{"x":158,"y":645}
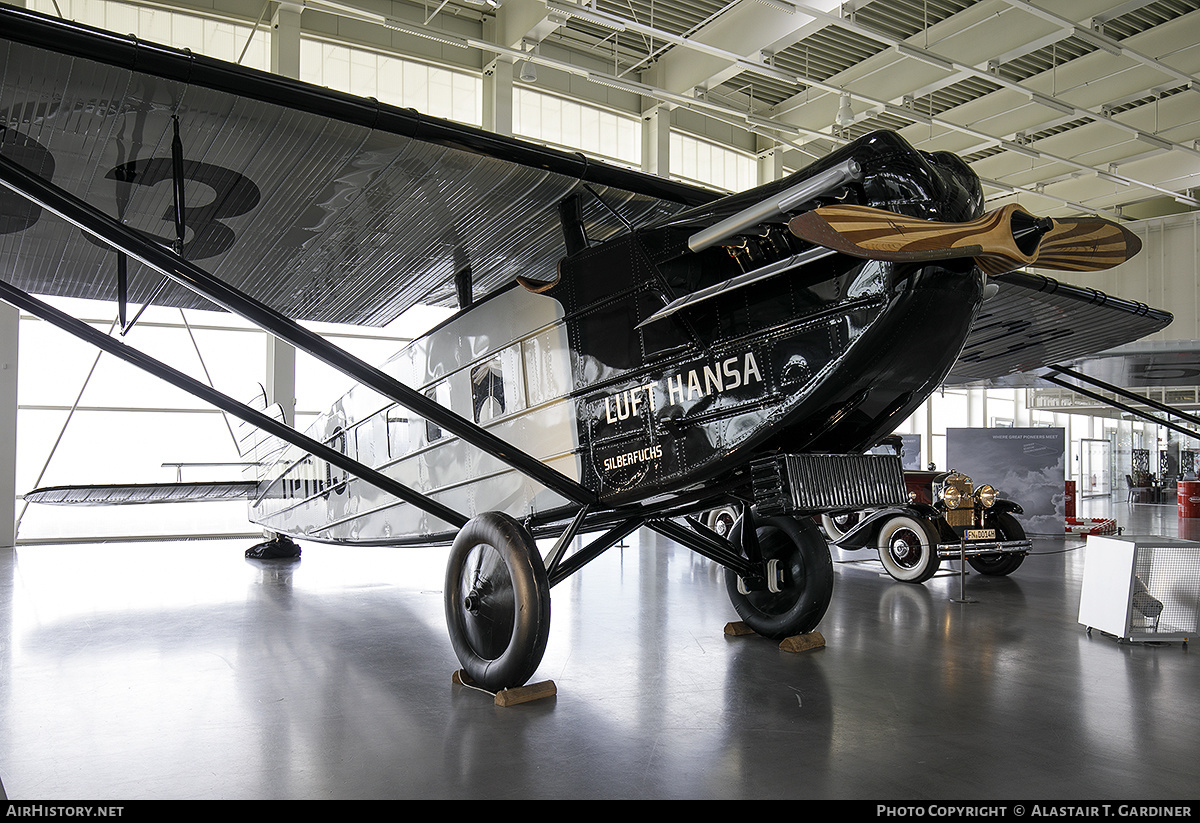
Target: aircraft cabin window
{"x":397,"y":435}
{"x":487,"y":390}
{"x":440,"y":394}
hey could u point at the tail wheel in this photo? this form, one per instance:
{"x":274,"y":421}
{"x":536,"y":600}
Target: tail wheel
{"x":998,"y":565}
{"x":908,"y":549}
{"x":497,"y":601}
{"x":804,"y":580}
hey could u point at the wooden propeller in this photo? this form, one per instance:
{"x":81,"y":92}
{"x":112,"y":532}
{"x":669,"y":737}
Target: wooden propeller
{"x":1002,"y":240}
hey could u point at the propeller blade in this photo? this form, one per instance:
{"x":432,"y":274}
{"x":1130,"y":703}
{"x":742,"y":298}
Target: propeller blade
{"x":1002,"y":240}
{"x":1086,"y":245}
{"x":862,"y":231}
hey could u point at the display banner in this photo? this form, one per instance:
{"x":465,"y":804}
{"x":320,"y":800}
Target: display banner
{"x":1027,"y":466}
{"x":910,"y":451}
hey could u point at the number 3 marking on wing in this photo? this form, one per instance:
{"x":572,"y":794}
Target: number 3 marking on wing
{"x":17,"y":213}
{"x":234,"y":194}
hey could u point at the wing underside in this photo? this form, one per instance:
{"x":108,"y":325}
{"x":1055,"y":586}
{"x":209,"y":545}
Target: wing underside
{"x":1035,"y":321}
{"x":321,"y":205}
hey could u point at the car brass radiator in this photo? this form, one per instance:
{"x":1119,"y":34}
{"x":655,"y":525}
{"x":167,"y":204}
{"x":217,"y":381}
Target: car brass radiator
{"x":815,"y":483}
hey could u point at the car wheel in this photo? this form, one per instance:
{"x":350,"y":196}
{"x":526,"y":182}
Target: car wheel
{"x":998,"y":565}
{"x":837,"y":524}
{"x":908,"y":548}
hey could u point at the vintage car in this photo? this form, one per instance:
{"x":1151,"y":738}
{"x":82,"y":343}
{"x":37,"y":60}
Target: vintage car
{"x":946,"y":517}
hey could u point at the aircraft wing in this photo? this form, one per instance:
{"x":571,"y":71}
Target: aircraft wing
{"x":321,"y":205}
{"x":1035,"y":321}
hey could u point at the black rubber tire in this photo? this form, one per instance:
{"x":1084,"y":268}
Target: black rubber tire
{"x":998,"y":565}
{"x":908,"y":548}
{"x":808,"y":571}
{"x":497,"y":601}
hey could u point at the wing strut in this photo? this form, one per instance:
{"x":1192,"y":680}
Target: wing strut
{"x":1137,"y":398}
{"x":11,"y":294}
{"x":122,"y":238}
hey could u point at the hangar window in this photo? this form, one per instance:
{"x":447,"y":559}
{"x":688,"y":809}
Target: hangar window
{"x":214,"y":38}
{"x":710,"y":164}
{"x":454,"y":95}
{"x":577,"y":127}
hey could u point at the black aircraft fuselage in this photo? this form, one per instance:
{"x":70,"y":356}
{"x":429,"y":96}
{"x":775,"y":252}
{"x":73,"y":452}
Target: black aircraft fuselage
{"x":603,"y":377}
{"x":826,"y":356}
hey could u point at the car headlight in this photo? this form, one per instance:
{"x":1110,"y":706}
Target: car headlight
{"x":956,"y":491}
{"x":987,"y":496}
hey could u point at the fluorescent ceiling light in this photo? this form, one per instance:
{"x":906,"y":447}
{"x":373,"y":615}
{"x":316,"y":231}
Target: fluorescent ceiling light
{"x":1051,"y":103}
{"x":774,"y":125}
{"x":591,"y":16}
{"x":782,"y":5}
{"x":924,"y":56}
{"x":1019,"y":149}
{"x":427,"y":33}
{"x":614,"y":83}
{"x":1153,"y":141}
{"x":1098,"y":40}
{"x":907,"y":113}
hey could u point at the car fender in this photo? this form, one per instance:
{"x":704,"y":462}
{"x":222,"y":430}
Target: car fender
{"x":1007,"y":506}
{"x":863,"y":534}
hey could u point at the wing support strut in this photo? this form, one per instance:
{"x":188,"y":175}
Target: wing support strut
{"x":122,"y":238}
{"x":11,"y":294}
{"x":1125,"y":407}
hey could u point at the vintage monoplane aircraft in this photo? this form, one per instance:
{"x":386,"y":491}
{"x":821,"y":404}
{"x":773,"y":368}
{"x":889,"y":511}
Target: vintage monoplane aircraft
{"x":628,"y":351}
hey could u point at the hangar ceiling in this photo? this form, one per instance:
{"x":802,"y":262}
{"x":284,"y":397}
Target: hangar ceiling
{"x":1076,"y":105}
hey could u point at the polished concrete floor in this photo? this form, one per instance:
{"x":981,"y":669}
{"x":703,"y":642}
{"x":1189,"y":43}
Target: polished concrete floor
{"x":182,"y":670}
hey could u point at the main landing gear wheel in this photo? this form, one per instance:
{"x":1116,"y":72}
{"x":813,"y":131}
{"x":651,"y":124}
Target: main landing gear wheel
{"x":998,"y":565}
{"x":908,"y":549}
{"x":497,"y":601}
{"x":805,"y":580}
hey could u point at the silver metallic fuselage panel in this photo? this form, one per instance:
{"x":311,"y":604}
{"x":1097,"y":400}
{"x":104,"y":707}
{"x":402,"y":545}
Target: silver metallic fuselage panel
{"x":505,"y":365}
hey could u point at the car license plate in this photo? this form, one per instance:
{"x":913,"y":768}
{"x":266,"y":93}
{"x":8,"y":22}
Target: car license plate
{"x":981,"y":534}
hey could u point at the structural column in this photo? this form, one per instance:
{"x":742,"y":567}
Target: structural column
{"x":9,"y":319}
{"x":656,"y":141}
{"x":770,"y":165}
{"x":281,"y":357}
{"x":498,"y":97}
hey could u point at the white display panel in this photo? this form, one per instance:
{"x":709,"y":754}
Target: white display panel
{"x":1141,"y":587}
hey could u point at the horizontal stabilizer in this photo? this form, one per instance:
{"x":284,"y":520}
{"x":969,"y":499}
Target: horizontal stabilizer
{"x":252,"y":442}
{"x":125,"y":494}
